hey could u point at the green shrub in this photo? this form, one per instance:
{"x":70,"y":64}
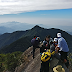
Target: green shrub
{"x":9,"y":61}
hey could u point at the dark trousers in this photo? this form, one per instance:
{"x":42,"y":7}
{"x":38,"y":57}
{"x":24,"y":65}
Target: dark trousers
{"x":44,"y":67}
{"x":64,"y":56}
{"x":34,"y":51}
{"x":42,"y":49}
{"x":34,"y":47}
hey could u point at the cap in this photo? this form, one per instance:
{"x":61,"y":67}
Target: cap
{"x":58,"y":34}
{"x":55,"y":39}
{"x":58,"y":68}
{"x":38,"y":38}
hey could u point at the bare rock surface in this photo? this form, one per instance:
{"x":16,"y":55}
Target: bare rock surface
{"x":33,"y":65}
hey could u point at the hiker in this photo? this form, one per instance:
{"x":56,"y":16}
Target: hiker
{"x":52,"y":47}
{"x":49,"y":41}
{"x":46,"y":44}
{"x":62,"y":48}
{"x":43,"y":46}
{"x":35,"y":42}
{"x":58,"y":68}
{"x":52,"y":50}
{"x":55,"y":41}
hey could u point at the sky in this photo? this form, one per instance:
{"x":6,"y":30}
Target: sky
{"x":52,"y":13}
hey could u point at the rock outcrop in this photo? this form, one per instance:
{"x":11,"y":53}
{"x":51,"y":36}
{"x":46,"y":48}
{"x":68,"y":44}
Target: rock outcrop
{"x":33,"y":65}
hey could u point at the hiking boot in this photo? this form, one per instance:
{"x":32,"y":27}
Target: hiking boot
{"x":68,"y":66}
{"x":33,"y":57}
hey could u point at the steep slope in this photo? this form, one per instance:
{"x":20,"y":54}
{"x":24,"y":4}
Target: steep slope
{"x":4,"y":35}
{"x":33,"y":65}
{"x":20,"y":45}
{"x":30,"y":64}
{"x":8,"y":38}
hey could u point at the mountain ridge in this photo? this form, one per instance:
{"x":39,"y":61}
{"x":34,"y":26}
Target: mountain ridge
{"x":36,"y":30}
{"x":12,"y":26}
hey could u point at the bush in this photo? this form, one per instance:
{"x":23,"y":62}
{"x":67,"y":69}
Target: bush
{"x":9,"y":61}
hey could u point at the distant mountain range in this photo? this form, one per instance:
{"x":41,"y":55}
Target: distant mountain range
{"x":20,"y":40}
{"x":5,"y":30}
{"x":69,"y":32}
{"x":10,"y":27}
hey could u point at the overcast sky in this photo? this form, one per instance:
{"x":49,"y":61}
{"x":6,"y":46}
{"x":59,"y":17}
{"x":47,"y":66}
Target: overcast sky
{"x":47,"y":12}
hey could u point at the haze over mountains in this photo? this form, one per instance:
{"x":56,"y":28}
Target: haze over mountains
{"x":10,"y":27}
{"x":21,"y":40}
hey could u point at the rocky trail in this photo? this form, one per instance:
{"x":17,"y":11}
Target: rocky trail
{"x":33,"y":65}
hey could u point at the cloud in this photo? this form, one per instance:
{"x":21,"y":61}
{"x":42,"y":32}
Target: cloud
{"x":19,"y":6}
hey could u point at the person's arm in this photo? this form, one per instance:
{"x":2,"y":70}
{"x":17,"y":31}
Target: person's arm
{"x":57,"y":49}
{"x":37,"y":42}
{"x":48,"y":46}
{"x":58,"y":46}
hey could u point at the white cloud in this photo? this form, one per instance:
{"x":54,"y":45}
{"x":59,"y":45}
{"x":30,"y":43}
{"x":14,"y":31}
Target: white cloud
{"x":18,"y":6}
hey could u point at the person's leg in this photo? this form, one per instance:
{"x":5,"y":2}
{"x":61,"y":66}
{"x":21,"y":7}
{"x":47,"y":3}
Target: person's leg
{"x":62,"y":55}
{"x":33,"y":51}
{"x":64,"y":58}
{"x":37,"y":47}
{"x":41,"y":50}
{"x":46,"y":66}
{"x":67,"y":63}
{"x":41,"y":69}
{"x":57,"y":56}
